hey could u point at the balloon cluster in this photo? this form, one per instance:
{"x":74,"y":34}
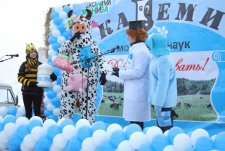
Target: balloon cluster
{"x":12,"y":110}
{"x":28,"y":135}
{"x":58,"y":35}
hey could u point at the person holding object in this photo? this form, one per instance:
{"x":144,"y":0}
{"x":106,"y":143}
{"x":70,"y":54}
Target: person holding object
{"x":88,"y":62}
{"x":163,"y":83}
{"x":136,"y":108}
{"x":27,"y":76}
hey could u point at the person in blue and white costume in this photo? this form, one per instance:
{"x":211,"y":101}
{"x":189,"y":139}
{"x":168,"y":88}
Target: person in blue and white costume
{"x":136,"y":108}
{"x":162,"y":82}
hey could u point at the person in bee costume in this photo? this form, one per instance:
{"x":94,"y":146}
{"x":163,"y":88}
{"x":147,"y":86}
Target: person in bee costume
{"x":136,"y":108}
{"x":27,"y":76}
{"x":163,"y":83}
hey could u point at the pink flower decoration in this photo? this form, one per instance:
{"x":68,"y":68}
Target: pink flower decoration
{"x":77,"y":82}
{"x":63,"y":64}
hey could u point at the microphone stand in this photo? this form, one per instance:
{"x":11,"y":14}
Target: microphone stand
{"x":10,"y":57}
{"x":88,"y":60}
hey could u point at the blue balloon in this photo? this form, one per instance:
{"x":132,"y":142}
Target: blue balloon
{"x":51,"y":94}
{"x":74,"y":144}
{"x":203,"y":143}
{"x":53,"y":117}
{"x":146,"y":147}
{"x":57,"y":21}
{"x":48,"y":89}
{"x":131,"y":129}
{"x":54,"y":14}
{"x":159,"y":142}
{"x":67,"y":34}
{"x":12,"y":110}
{"x":52,"y":39}
{"x":66,"y":122}
{"x":44,"y":143}
{"x":34,"y":123}
{"x":14,"y":142}
{"x":9,"y":119}
{"x":22,"y":131}
{"x":56,"y":46}
{"x":219,"y":141}
{"x":57,"y":71}
{"x":84,"y":132}
{"x":1,"y":127}
{"x":59,"y":80}
{"x":56,"y":102}
{"x":99,"y":125}
{"x":105,"y":146}
{"x":66,"y":9}
{"x":62,"y":27}
{"x":53,"y":130}
{"x":47,"y":113}
{"x":173,"y":132}
{"x":117,"y":137}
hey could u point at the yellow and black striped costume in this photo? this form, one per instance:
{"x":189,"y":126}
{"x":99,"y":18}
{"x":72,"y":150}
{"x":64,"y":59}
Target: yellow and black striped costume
{"x":28,"y":77}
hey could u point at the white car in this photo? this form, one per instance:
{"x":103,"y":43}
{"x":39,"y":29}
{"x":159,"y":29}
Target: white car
{"x":7,"y":96}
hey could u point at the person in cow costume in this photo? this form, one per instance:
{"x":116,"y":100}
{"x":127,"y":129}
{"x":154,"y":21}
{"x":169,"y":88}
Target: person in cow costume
{"x":87,"y":61}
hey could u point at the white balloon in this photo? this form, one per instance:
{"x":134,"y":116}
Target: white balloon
{"x":9,"y":129}
{"x":36,"y":118}
{"x":51,"y":53}
{"x":198,"y":133}
{"x":63,"y":15}
{"x":22,"y":121}
{"x":152,"y":132}
{"x":50,"y":107}
{"x":125,"y":146}
{"x":52,"y":25}
{"x":29,"y":142}
{"x":59,"y":94}
{"x":3,"y":146}
{"x":3,"y":111}
{"x":59,"y":142}
{"x":3,"y":138}
{"x":61,"y":39}
{"x":169,"y":148}
{"x":56,"y":33}
{"x":113,"y":127}
{"x":1,"y":119}
{"x":56,"y":111}
{"x":21,"y":110}
{"x":57,"y":88}
{"x":213,"y":137}
{"x":69,"y":131}
{"x":48,"y":123}
{"x":88,"y":145}
{"x":82,"y":122}
{"x":99,"y":136}
{"x":137,"y":139}
{"x":182,"y":142}
{"x":37,"y":132}
{"x":58,"y":8}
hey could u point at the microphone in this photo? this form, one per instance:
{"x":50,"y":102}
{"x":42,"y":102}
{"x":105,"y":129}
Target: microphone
{"x":114,"y":49}
{"x":15,"y":55}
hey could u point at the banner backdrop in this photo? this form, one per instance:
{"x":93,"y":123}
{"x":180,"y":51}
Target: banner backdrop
{"x":196,"y":36}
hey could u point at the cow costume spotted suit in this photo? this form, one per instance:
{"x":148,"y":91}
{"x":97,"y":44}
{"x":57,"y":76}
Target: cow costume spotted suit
{"x":80,"y":47}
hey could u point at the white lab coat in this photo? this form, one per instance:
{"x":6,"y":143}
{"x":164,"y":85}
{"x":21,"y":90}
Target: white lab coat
{"x":136,"y":107}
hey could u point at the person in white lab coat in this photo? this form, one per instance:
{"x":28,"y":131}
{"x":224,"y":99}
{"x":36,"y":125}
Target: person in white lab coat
{"x":136,"y":108}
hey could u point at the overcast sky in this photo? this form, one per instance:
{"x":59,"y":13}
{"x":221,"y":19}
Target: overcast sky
{"x":22,"y":22}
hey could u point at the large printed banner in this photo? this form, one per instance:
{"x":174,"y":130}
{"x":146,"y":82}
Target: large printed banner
{"x":196,"y":36}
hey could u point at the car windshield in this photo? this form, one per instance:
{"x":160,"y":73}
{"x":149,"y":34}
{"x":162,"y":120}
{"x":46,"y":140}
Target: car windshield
{"x":6,"y":96}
